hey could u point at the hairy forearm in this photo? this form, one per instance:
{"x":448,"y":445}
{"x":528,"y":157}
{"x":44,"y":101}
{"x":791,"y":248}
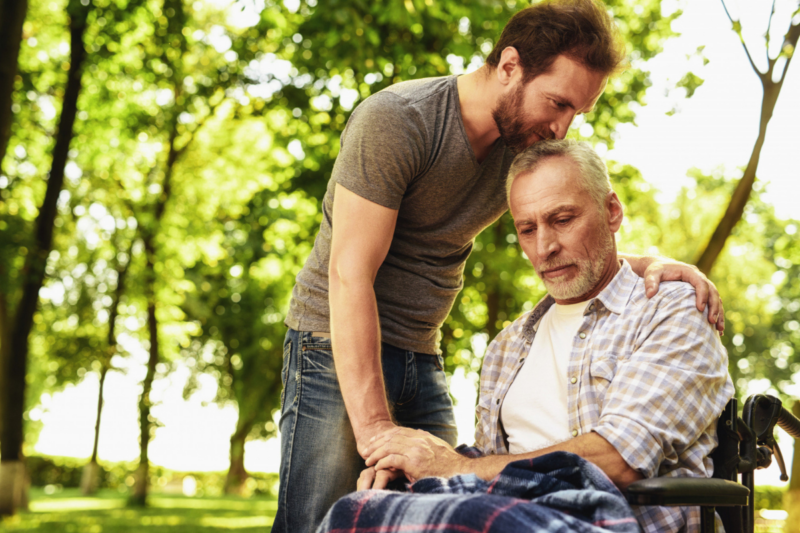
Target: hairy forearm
{"x":355,"y":333}
{"x":591,"y":447}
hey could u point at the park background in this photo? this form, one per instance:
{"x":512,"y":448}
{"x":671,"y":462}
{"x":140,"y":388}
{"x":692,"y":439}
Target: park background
{"x":163,"y":163}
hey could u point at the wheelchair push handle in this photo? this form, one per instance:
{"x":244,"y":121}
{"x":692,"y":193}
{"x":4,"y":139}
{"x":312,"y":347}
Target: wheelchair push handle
{"x":762,"y":413}
{"x":789,"y":423}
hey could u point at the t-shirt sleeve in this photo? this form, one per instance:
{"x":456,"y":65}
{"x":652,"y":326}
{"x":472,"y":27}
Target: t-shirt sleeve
{"x":382,"y":150}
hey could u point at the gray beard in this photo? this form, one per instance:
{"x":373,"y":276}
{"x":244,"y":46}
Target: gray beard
{"x":589,"y":273}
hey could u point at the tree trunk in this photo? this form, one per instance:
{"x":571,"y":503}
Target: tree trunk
{"x":5,"y":344}
{"x":12,"y":16}
{"x":772,"y":89}
{"x":743,"y":189}
{"x":90,"y":478}
{"x":237,"y":475}
{"x":791,"y":498}
{"x":33,"y":271}
{"x":139,"y":496}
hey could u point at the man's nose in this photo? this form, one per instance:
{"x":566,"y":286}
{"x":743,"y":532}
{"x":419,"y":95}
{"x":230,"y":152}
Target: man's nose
{"x":560,"y":126}
{"x":546,"y":243}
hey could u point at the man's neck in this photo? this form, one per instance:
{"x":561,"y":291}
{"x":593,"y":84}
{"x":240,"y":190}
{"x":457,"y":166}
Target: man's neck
{"x":610,"y":270}
{"x":478,"y":93}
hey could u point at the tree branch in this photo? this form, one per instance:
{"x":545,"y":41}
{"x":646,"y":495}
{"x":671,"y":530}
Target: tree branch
{"x":769,"y":25}
{"x":741,"y":38}
{"x":791,"y":39}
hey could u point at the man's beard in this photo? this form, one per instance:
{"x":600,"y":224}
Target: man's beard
{"x":589,"y":272}
{"x":509,"y":117}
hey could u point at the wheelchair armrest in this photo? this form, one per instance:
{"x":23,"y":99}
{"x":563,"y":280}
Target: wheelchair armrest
{"x":674,"y":491}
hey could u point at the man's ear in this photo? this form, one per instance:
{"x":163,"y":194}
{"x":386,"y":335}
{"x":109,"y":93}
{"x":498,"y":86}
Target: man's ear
{"x":508,"y":66}
{"x":614,"y":211}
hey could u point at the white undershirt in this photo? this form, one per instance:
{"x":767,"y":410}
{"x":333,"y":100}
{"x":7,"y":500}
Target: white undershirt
{"x":534,"y":413}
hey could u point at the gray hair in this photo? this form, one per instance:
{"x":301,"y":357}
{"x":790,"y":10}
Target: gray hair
{"x":593,"y":170}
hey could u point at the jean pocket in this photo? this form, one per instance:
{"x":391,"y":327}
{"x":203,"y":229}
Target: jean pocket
{"x":318,"y":357}
{"x":287,"y":355}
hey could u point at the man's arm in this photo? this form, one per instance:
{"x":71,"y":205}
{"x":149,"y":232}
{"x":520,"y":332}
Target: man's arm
{"x":420,"y":454}
{"x":362,"y":234}
{"x":654,"y":270}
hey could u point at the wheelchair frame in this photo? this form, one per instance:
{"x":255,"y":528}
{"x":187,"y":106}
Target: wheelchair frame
{"x":746,"y":443}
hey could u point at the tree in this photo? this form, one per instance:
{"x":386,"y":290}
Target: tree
{"x":91,"y":472}
{"x":12,"y":16}
{"x":11,"y":466}
{"x":772,"y":90}
{"x":249,"y":285}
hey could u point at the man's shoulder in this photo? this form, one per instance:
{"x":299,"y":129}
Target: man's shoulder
{"x":405,"y":106}
{"x":415,"y":92}
{"x":672,"y":293}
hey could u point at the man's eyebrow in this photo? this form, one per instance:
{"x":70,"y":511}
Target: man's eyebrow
{"x":547,"y":215}
{"x":560,"y":209}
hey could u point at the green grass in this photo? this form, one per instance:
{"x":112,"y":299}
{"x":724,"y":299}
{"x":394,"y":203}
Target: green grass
{"x":69,"y":511}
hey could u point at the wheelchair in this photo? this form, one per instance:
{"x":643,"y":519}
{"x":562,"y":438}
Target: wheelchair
{"x":746,"y":444}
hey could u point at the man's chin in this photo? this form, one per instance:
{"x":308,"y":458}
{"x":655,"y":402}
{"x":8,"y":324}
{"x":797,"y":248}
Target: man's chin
{"x":565,"y":290}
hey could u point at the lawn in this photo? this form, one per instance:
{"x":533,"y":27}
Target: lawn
{"x":70,"y":512}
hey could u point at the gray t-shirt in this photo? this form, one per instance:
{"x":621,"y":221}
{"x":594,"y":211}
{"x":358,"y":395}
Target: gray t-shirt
{"x":406,"y":148}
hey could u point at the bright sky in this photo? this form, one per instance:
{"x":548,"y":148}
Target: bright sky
{"x":716,"y":128}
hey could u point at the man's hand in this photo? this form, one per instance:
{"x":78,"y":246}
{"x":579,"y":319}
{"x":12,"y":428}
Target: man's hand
{"x":370,"y":433}
{"x":371,"y":478}
{"x":417,"y":453}
{"x":656,"y":270}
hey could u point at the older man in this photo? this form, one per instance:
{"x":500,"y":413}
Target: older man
{"x":634,"y":385}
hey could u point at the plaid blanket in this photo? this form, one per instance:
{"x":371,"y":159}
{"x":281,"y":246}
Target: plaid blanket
{"x":555,"y":492}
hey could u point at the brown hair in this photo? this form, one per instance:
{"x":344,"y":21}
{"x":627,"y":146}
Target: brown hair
{"x":579,"y":29}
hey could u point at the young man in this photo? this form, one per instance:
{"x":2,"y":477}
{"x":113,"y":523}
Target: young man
{"x":420,"y":173}
{"x":631,"y":384}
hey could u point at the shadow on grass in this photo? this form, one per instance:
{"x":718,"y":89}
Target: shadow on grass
{"x":71,"y":512}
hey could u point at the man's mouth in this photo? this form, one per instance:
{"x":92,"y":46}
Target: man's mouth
{"x":555,"y":272}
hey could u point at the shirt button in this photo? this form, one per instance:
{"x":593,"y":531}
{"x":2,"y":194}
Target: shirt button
{"x":573,"y":380}
{"x":497,"y":401}
{"x":582,"y":335}
{"x":574,"y":432}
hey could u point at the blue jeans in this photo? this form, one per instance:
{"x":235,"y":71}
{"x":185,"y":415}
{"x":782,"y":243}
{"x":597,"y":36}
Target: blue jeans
{"x":319,"y":460}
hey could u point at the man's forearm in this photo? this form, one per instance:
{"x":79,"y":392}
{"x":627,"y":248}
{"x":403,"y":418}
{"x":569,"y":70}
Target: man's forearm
{"x":355,"y":333}
{"x":590,"y":446}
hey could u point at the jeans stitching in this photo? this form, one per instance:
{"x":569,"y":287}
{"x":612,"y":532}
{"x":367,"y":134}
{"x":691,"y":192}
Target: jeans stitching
{"x":410,"y":375}
{"x":285,"y":371}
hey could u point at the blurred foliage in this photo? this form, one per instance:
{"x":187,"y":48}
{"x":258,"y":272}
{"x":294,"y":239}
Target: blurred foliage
{"x":65,"y":473}
{"x":242,"y":108}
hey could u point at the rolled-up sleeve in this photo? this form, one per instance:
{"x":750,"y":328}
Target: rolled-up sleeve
{"x":670,"y":388}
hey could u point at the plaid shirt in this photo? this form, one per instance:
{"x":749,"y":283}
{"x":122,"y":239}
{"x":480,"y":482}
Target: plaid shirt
{"x":648,"y":375}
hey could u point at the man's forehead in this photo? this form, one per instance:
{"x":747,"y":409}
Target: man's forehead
{"x":546,"y":186}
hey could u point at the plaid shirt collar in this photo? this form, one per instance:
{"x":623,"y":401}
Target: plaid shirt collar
{"x":613,"y":297}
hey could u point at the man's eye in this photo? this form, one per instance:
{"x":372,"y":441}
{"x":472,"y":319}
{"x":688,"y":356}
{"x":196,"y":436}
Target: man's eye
{"x":563,"y":221}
